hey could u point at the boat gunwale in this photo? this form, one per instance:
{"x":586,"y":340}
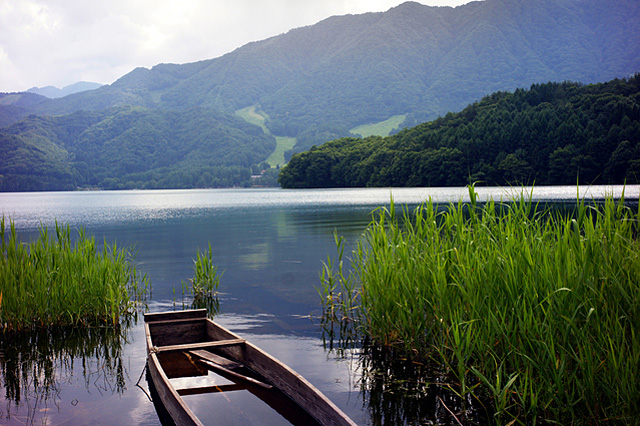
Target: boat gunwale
{"x":176,"y":406}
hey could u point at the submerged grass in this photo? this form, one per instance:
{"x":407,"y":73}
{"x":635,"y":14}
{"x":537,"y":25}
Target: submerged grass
{"x":533,"y":313}
{"x":54,"y":281}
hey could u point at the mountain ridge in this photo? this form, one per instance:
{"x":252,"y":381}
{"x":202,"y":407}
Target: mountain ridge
{"x":129,"y":147}
{"x":280,"y":67}
{"x":54,"y":92}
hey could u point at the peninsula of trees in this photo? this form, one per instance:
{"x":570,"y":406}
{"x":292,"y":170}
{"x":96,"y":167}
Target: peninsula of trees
{"x":554,"y":133}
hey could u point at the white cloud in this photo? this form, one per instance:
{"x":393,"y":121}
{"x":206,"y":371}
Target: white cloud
{"x":59,"y":42}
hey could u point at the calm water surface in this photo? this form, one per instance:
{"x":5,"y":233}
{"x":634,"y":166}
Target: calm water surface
{"x":270,"y":243}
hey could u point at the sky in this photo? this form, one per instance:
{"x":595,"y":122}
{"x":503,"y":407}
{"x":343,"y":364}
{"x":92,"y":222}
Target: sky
{"x":60,"y":42}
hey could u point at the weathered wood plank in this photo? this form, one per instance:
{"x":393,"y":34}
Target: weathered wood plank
{"x":174,"y":404}
{"x":220,"y":360}
{"x":179,"y":333}
{"x":191,"y":314}
{"x":216,"y":332}
{"x":174,"y":321}
{"x":199,"y":345}
{"x":295,"y":386}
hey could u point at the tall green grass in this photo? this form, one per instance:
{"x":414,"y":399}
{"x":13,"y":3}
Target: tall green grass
{"x":533,"y":313}
{"x":54,"y":281}
{"x":202,"y":289}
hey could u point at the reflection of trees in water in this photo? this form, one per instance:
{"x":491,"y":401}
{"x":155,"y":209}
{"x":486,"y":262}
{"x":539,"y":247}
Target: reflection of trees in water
{"x":32,"y":365}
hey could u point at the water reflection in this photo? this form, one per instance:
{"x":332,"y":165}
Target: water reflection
{"x":255,"y":256}
{"x":398,"y":391}
{"x":270,"y":245}
{"x":35,"y":366}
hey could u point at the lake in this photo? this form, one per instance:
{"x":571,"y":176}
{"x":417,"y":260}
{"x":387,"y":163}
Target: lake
{"x":270,"y":245}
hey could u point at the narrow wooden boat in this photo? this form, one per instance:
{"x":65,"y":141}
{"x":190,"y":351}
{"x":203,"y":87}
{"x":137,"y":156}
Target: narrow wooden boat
{"x":188,"y":344}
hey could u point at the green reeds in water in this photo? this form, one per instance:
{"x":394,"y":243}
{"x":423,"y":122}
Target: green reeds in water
{"x":533,"y":313}
{"x":55,"y":281}
{"x":203,"y":287}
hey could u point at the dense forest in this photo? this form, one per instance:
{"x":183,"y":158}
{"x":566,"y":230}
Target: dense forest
{"x":553,"y":133}
{"x":131,"y":147}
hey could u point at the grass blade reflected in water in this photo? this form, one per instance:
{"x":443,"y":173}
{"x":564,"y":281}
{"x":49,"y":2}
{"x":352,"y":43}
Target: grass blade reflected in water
{"x":35,"y":365}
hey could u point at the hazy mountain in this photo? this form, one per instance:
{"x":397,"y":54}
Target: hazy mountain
{"x":317,"y":82}
{"x":412,"y":59}
{"x":54,"y":92}
{"x":15,"y":106}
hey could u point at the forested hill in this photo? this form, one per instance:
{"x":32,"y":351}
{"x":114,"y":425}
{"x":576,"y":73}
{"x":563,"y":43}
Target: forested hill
{"x":130,"y":147}
{"x":317,"y":82}
{"x":553,"y":133}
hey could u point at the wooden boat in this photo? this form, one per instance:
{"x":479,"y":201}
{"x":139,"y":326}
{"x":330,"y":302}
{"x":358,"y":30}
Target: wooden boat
{"x":188,"y":344}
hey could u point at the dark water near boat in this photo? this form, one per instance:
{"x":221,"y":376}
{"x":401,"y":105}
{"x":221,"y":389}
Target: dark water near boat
{"x":270,"y":243}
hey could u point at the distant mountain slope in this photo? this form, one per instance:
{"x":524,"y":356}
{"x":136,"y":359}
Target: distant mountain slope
{"x":414,"y":59}
{"x":130,"y":147}
{"x":15,"y":106}
{"x":54,"y":92}
{"x":554,"y":133}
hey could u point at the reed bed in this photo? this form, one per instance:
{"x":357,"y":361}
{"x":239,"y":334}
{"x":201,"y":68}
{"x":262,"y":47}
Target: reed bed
{"x":55,"y":281}
{"x":531,"y":313}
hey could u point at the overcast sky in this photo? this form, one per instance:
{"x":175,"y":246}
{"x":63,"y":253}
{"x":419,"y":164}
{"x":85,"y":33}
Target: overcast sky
{"x":60,"y":42}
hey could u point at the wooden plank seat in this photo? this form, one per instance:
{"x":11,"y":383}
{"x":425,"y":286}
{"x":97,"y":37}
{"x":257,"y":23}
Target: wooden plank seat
{"x":199,"y":345}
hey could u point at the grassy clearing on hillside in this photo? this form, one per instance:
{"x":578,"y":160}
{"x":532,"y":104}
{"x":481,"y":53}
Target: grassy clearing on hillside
{"x":283,"y":144}
{"x":277,"y":157}
{"x":534,"y":313}
{"x":250,"y":115}
{"x":54,"y":282}
{"x":383,"y":128}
